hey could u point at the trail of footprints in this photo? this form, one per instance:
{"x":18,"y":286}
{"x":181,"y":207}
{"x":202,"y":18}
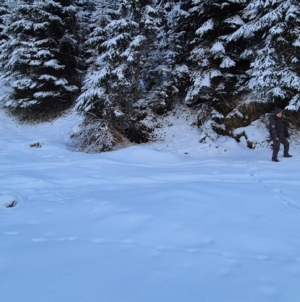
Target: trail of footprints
{"x":280,"y":194}
{"x":206,"y":248}
{"x":207,"y":245}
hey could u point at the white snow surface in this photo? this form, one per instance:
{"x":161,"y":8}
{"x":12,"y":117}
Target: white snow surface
{"x":170,"y":221}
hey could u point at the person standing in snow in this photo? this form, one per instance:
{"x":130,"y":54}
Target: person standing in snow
{"x":279,"y":134}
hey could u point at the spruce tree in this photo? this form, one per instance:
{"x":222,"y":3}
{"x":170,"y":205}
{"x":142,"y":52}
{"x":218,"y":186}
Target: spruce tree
{"x":118,"y":51}
{"x":217,"y":70}
{"x":96,"y":95}
{"x":171,"y":72}
{"x":40,"y":61}
{"x":119,"y":48}
{"x":85,"y":10}
{"x":274,"y":28}
{"x":4,"y":12}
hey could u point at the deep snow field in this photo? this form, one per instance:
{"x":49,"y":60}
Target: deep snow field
{"x":172,"y":221}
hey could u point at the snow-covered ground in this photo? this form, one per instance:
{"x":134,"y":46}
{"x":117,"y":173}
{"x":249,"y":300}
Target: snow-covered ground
{"x":170,"y":221}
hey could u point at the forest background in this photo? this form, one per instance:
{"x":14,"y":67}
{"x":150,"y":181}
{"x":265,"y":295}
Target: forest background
{"x":121,"y":64}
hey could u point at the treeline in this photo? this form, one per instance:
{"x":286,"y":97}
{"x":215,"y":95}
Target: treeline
{"x":116,"y":59}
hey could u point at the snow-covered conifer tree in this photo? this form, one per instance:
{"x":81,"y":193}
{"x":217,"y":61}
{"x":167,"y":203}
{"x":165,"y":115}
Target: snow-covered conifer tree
{"x":40,"y":60}
{"x":101,"y":51}
{"x":143,"y":44}
{"x":216,"y":67}
{"x":4,"y":12}
{"x":274,"y":26}
{"x":171,"y":72}
{"x":85,"y":10}
{"x":118,"y":46}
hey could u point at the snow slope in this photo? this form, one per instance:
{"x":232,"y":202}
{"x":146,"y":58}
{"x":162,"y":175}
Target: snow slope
{"x":169,"y":221}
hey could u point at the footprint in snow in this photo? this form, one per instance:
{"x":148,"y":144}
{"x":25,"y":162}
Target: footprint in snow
{"x":192,"y":250}
{"x":39,"y":239}
{"x":284,"y":198}
{"x":11,"y":233}
{"x":262,"y":257}
{"x":100,"y":241}
{"x":43,"y":239}
{"x":128,"y":241}
{"x":70,"y":239}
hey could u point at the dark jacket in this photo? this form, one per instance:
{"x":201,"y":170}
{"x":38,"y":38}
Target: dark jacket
{"x":277,"y":128}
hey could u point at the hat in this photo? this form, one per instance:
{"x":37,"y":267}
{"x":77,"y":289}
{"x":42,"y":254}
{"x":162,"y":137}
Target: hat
{"x":277,"y":110}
